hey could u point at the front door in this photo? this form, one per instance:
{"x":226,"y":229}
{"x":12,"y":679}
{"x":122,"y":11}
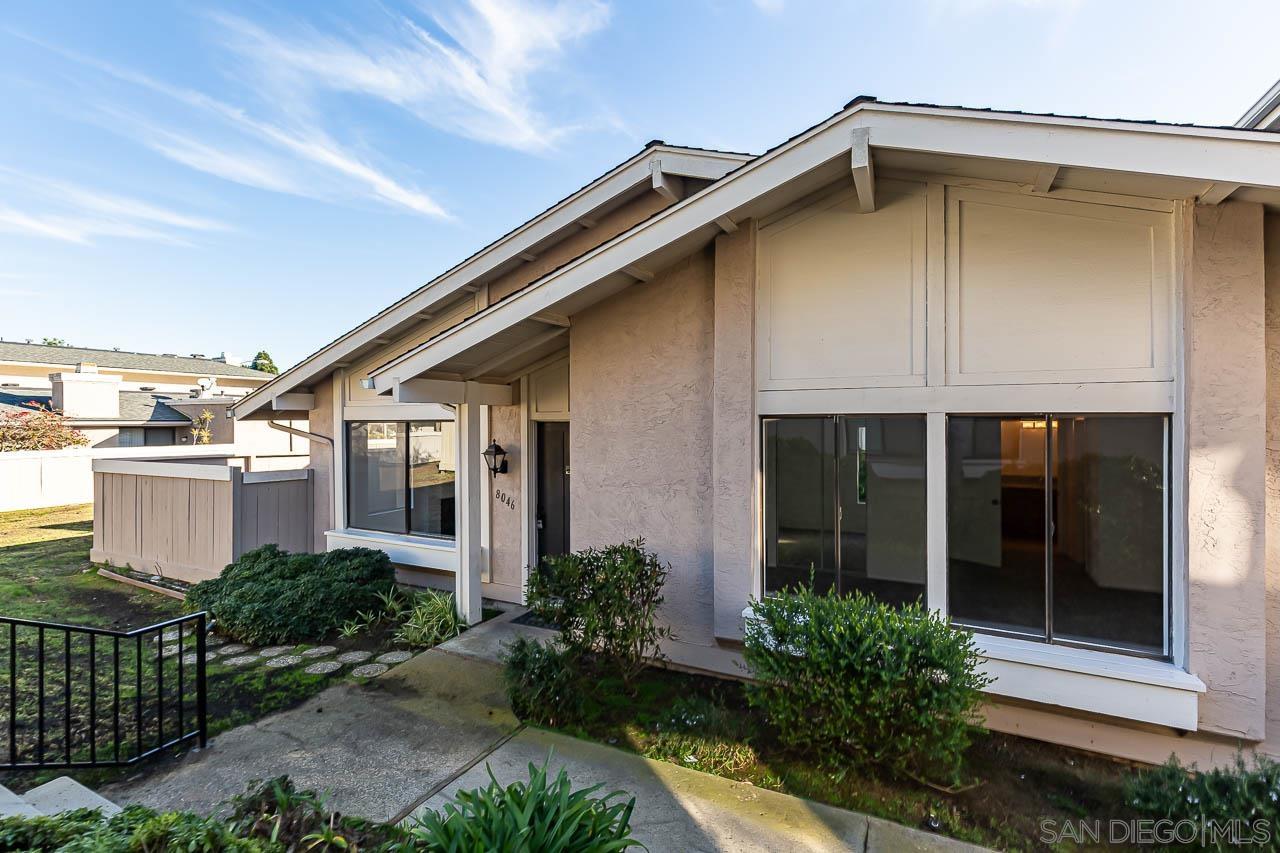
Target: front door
{"x":553,"y":489}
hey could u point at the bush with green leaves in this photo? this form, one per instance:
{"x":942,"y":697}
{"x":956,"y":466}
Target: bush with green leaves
{"x":273,"y":596}
{"x":543,"y":683}
{"x":605,"y":603}
{"x":854,"y":678}
{"x":542,"y":814}
{"x":1244,"y":792}
{"x":136,"y":829}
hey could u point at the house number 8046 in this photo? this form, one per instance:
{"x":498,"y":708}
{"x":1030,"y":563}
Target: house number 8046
{"x":503,"y":498}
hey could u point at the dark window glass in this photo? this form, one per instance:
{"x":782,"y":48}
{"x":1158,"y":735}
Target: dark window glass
{"x":861,"y":476}
{"x":996,"y":522}
{"x":431,"y":478}
{"x":881,"y":468}
{"x":376,"y":476}
{"x":1109,"y":531}
{"x":799,"y":465}
{"x":1071,"y":504}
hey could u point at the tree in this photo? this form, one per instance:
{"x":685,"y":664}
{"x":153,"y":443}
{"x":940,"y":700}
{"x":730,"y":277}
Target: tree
{"x":262,"y":361}
{"x":38,"y":429}
{"x":55,"y":342}
{"x":200,"y":432}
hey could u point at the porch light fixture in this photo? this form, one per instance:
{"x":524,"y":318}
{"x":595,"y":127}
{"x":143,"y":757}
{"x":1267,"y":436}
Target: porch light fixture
{"x":496,"y":458}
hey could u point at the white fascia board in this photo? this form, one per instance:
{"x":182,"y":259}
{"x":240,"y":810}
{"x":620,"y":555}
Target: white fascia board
{"x":1245,"y":157}
{"x":1264,"y":109}
{"x":295,"y":401}
{"x":623,"y":178}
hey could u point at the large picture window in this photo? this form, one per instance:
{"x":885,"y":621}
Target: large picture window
{"x":845,"y":504}
{"x":400,"y":477}
{"x":1057,"y":528}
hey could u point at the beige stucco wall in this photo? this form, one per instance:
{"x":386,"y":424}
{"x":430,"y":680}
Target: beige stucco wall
{"x":1271,"y":231}
{"x":505,"y":507}
{"x":1225,"y":399}
{"x":640,"y":372}
{"x":733,"y":425}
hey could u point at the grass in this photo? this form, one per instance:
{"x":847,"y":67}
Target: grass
{"x":45,"y":574}
{"x":705,"y":724}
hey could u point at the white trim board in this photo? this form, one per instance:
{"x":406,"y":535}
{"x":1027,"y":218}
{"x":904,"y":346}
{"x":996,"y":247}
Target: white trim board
{"x":406,"y":550}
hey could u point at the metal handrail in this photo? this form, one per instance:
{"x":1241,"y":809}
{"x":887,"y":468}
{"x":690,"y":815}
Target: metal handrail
{"x":87,"y":753}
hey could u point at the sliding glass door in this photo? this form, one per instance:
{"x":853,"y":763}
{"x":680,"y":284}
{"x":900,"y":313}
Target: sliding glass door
{"x":400,"y":477}
{"x":845,"y":504}
{"x":1057,"y":528}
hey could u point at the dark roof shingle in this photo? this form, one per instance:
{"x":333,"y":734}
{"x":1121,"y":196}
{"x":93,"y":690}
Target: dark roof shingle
{"x":121,"y":360}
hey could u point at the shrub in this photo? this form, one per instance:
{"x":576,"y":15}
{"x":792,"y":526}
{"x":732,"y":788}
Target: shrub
{"x":853,"y":677}
{"x":604,"y":602}
{"x":430,"y":619}
{"x":542,"y":683}
{"x":272,"y":596}
{"x":38,"y":429}
{"x":134,"y":830}
{"x":535,"y":815}
{"x":1238,"y":793}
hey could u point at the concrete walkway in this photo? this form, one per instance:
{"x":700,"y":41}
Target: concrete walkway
{"x":412,"y":737}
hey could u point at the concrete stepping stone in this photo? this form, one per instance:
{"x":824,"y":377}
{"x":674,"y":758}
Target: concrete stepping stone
{"x":170,"y":635}
{"x":242,"y":660}
{"x":369,"y":670}
{"x":281,"y":661}
{"x":323,"y":667}
{"x":273,"y":651}
{"x":189,"y":657}
{"x":169,"y":650}
{"x":319,"y":651}
{"x":354,"y":657}
{"x":233,"y":649}
{"x":212,"y":641}
{"x":394,"y":657}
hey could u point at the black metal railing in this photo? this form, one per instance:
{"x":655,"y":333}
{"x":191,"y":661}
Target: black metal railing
{"x":93,"y":697}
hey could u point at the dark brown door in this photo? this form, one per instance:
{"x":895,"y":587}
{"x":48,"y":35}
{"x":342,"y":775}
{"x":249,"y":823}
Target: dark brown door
{"x":553,"y":489}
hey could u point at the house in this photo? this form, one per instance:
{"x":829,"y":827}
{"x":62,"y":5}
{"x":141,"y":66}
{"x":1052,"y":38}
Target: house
{"x":133,"y":399}
{"x":1023,"y":367}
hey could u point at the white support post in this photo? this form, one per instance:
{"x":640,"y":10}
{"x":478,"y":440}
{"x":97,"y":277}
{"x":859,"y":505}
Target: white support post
{"x":864,"y":176}
{"x":471,"y":492}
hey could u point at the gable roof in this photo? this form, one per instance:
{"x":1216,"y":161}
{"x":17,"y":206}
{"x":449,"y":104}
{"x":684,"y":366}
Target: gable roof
{"x":1175,"y":161}
{"x":1265,"y":113}
{"x":24,"y":353}
{"x":615,"y":187}
{"x":1187,"y":160}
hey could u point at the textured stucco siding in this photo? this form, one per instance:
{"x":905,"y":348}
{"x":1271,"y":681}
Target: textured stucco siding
{"x":1226,"y":441}
{"x":640,"y":369}
{"x":1272,"y":272}
{"x":505,"y":568}
{"x":733,"y":425}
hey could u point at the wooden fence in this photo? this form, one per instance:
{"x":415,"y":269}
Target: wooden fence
{"x":188,"y":521}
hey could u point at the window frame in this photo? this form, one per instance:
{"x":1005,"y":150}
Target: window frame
{"x":406,"y":480}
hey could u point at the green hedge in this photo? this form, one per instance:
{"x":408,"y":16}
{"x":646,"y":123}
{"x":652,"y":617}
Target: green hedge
{"x":854,"y":678}
{"x":272,"y":596}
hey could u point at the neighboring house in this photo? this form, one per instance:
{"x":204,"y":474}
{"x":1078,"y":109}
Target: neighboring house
{"x":131,"y":399}
{"x":1022,"y":367}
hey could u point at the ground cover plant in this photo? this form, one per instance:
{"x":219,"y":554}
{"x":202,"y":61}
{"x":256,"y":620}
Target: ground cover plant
{"x":1245,"y":792}
{"x":273,"y":596}
{"x":416,"y":619}
{"x":273,"y":816}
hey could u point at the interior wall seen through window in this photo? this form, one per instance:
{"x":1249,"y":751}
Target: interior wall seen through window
{"x":400,"y":477}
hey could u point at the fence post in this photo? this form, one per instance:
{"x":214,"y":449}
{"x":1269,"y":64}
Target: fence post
{"x":201,"y":698}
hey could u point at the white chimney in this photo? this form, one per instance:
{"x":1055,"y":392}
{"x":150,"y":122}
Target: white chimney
{"x":86,"y":393}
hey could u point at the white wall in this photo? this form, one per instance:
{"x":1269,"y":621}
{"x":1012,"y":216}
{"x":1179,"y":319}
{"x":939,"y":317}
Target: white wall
{"x":30,"y":479}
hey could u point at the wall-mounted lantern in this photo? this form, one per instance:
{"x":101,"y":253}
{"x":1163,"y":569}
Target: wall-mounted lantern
{"x":496,"y":458}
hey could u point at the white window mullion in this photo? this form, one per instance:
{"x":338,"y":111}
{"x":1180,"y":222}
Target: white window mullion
{"x":936,"y":509}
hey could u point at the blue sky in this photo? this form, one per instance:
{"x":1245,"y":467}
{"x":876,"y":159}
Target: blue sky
{"x":245,"y":175}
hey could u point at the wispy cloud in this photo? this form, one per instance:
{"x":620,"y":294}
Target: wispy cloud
{"x":770,"y":7}
{"x":60,"y":210}
{"x":237,"y":153}
{"x":469,"y":71}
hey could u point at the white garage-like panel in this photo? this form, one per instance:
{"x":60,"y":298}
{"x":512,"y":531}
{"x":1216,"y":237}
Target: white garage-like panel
{"x":1045,"y":290}
{"x":842,"y":293}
